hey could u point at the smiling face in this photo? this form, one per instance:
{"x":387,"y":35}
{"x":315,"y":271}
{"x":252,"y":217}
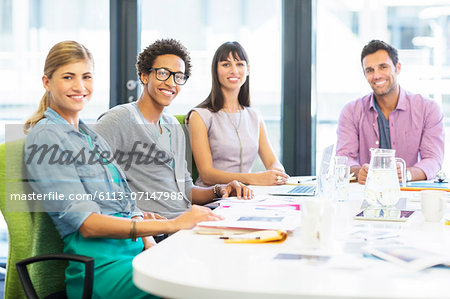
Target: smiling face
{"x":232,"y":73}
{"x":381,"y":73}
{"x":162,"y":93}
{"x":70,"y":88}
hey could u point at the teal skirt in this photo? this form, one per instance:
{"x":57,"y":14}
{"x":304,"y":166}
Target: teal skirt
{"x":112,"y":267}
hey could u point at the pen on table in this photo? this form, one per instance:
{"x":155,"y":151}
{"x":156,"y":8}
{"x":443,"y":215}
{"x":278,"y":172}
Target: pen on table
{"x":298,"y":182}
{"x":240,"y":237}
{"x":307,"y":180}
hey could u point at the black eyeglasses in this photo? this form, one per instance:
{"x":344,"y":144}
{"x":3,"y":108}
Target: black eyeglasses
{"x":163,"y":74}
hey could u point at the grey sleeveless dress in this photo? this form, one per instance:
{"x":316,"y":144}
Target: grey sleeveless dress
{"x":225,"y":143}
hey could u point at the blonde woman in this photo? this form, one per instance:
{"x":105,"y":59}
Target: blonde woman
{"x":76,"y":166}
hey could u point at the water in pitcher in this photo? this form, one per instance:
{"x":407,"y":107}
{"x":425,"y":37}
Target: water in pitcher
{"x":382,"y":184}
{"x":382,"y":187}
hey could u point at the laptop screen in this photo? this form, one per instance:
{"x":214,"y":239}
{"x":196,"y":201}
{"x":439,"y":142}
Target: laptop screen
{"x":326,"y":160}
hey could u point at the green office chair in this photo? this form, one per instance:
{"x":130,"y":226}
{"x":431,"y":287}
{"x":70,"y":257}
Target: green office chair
{"x":31,"y":235}
{"x":189,"y":157}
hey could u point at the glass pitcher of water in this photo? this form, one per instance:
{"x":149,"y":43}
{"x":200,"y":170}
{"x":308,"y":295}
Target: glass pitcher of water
{"x":382,"y":185}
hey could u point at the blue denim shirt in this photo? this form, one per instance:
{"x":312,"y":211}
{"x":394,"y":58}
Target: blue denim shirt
{"x":70,"y":177}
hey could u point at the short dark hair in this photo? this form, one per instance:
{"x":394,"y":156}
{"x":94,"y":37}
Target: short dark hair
{"x":215,"y":100}
{"x":375,"y":45}
{"x":160,"y":47}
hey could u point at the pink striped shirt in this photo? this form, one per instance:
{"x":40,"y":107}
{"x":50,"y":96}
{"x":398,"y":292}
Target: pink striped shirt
{"x":416,"y":127}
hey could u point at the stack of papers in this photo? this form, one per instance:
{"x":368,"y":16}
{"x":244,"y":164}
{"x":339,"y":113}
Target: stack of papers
{"x":255,"y":214}
{"x":425,"y":185}
{"x":256,"y":220}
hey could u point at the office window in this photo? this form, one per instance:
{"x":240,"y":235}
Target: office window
{"x":29,"y":28}
{"x":202,"y":26}
{"x":419,"y":30}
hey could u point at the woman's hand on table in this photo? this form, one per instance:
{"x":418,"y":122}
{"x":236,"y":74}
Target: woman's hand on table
{"x":271,"y":177}
{"x":238,"y":189}
{"x":197,"y":214}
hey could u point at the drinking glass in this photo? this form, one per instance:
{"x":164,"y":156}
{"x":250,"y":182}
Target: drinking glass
{"x":341,"y":178}
{"x":326,"y":186}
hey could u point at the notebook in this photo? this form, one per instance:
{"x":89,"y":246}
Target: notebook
{"x":426,"y":185}
{"x":307,"y":188}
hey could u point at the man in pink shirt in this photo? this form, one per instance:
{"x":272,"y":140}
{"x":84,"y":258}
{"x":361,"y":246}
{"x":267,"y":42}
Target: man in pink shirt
{"x":390,"y":117}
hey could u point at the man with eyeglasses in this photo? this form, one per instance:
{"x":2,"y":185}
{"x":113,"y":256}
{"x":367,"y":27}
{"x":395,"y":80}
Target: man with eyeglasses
{"x":150,"y":144}
{"x":392,"y":118}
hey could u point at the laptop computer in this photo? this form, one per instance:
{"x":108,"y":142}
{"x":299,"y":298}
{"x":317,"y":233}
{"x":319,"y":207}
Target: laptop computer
{"x":307,"y":189}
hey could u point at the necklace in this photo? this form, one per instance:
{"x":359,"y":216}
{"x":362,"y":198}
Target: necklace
{"x":232,"y":109}
{"x":236,"y":129}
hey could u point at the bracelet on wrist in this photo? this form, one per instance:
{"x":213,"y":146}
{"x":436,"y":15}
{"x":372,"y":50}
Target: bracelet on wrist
{"x":216,"y":190}
{"x":133,"y":230}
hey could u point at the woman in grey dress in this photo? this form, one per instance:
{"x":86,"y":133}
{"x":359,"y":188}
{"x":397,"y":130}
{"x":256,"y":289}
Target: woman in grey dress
{"x":226,"y":133}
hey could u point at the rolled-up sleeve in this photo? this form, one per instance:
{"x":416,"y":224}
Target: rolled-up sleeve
{"x":136,"y":212}
{"x":431,"y":147}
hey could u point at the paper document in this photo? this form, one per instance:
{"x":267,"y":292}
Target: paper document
{"x":412,"y":258}
{"x":234,"y":199}
{"x":254,"y":218}
{"x":372,"y":234}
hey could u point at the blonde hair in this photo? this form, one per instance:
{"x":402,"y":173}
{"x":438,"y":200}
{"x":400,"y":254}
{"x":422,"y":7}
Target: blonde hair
{"x":62,"y":53}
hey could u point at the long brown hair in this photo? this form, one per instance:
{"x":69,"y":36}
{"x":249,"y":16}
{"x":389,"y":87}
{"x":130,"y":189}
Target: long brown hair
{"x":62,"y":53}
{"x":215,"y":100}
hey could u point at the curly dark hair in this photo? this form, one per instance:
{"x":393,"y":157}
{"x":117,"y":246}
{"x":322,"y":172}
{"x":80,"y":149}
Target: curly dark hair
{"x":160,"y":47}
{"x":375,"y":45}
